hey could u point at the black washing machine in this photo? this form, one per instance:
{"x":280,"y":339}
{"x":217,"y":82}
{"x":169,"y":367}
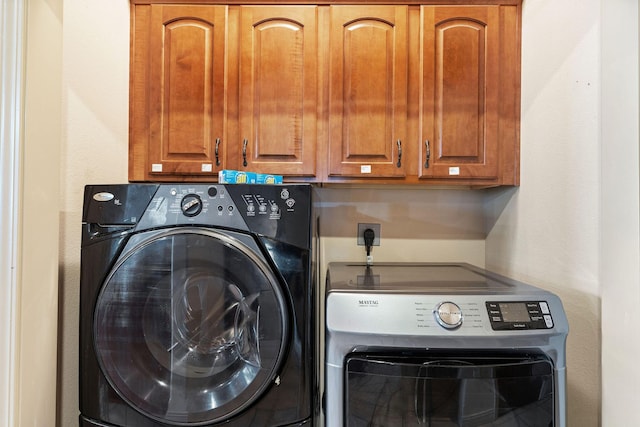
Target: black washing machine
{"x":197,"y":306}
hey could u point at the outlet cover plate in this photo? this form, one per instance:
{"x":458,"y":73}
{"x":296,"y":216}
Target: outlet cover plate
{"x":363,"y":226}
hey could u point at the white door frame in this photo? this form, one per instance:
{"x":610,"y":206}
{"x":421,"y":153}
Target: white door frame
{"x":12,"y":52}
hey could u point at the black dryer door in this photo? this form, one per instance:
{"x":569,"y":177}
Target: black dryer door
{"x":190,"y":326}
{"x":445,"y":390}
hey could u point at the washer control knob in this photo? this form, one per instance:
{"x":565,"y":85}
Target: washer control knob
{"x":191,"y":205}
{"x":448,"y":315}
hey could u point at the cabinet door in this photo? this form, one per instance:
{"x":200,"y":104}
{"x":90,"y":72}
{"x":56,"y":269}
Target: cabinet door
{"x":459,"y":106}
{"x":368,"y":91}
{"x":186,"y":90}
{"x":278,"y":86}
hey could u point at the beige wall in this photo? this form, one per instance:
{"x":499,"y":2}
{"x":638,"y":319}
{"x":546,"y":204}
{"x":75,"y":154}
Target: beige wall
{"x":415,"y":225}
{"x":546,"y":232}
{"x":95,"y":126}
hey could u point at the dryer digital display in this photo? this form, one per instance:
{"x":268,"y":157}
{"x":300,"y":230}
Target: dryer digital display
{"x":515,"y":315}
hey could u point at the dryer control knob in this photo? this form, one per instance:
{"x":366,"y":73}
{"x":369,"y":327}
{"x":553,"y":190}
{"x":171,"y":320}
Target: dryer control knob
{"x":448,"y":315}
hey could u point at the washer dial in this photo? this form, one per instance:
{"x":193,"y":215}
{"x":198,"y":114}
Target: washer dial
{"x":191,"y":205}
{"x":448,"y":315}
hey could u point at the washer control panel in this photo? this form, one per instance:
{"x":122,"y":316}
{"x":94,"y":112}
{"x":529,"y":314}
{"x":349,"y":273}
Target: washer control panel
{"x":517,"y":315}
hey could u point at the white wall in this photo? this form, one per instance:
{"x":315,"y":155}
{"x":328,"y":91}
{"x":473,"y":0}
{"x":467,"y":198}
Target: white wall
{"x":572,"y":226}
{"x":620,"y":214}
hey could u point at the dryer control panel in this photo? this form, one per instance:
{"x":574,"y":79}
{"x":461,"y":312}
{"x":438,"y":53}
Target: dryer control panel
{"x":517,"y":315}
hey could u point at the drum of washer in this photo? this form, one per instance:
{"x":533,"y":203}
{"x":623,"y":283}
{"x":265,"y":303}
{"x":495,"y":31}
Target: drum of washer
{"x":190,"y":326}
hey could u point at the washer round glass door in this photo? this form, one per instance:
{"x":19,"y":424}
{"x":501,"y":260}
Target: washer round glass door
{"x":190,"y":326}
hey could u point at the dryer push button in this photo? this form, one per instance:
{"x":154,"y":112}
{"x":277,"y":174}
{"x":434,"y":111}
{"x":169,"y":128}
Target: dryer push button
{"x":516,"y":315}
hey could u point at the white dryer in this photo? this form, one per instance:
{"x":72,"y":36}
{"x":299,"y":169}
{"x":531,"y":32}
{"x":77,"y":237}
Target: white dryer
{"x":441,"y":344}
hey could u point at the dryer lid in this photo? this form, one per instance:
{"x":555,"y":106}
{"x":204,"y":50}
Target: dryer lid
{"x":418,"y":278}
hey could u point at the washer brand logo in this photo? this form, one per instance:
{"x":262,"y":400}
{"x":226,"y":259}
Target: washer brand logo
{"x":103,"y":196}
{"x":368,"y":302}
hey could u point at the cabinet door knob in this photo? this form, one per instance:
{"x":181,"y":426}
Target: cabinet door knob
{"x":399,"y":142}
{"x":244,"y":152}
{"x":428,"y":152}
{"x":217,"y":147}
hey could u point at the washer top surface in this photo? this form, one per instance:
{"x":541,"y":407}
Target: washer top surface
{"x":419,"y":278}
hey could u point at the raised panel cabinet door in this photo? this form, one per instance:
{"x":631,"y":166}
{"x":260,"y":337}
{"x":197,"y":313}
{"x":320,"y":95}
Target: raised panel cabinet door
{"x":278,"y":87}
{"x":460,"y":92}
{"x":368,"y":91}
{"x":186,"y":90}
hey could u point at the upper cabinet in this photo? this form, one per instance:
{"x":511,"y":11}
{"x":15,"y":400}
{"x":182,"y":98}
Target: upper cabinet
{"x":278,"y":90}
{"x":178,"y":102}
{"x":214,"y":87}
{"x":465,"y":79}
{"x":368,"y":60}
{"x":414,"y":93}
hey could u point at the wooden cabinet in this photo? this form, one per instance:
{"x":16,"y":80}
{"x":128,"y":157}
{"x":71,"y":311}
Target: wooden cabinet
{"x":278,"y":88}
{"x":466,"y":77}
{"x":214,"y":88}
{"x":368,"y":91}
{"x":331,"y":93}
{"x":178,"y":105}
